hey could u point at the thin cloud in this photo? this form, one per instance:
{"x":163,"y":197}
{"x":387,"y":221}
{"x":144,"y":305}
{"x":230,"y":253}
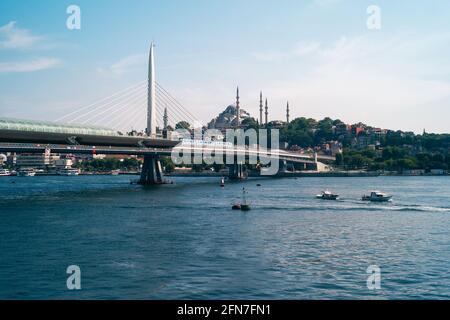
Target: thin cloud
{"x":323,"y":3}
{"x":13,"y":37}
{"x":128,"y":63}
{"x":377,"y":80}
{"x":29,"y":66}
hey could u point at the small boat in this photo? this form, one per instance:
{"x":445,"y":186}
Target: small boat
{"x":69,"y":172}
{"x":26,"y":173}
{"x":236,"y":206}
{"x":4,"y":172}
{"x":244,"y":206}
{"x":377,"y":196}
{"x":327,"y":195}
{"x":222,"y":182}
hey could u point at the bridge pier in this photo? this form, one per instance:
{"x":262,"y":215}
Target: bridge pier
{"x":152,"y":173}
{"x":237,"y":171}
{"x":282,"y":166}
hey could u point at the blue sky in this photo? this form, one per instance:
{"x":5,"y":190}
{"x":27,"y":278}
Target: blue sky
{"x":318,"y":54}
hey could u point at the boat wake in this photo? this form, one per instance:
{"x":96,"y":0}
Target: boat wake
{"x":361,"y":207}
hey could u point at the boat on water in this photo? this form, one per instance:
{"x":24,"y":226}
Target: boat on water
{"x":327,"y":195}
{"x":244,"y":206}
{"x":377,"y":196}
{"x":222,"y":182}
{"x":4,"y":172}
{"x":69,"y":172}
{"x":26,"y":173}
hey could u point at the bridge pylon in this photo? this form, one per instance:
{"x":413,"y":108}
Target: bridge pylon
{"x":237,"y":171}
{"x":152,"y":173}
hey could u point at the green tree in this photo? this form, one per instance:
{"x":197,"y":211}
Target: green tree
{"x":183,"y":125}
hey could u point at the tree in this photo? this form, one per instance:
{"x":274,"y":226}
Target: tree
{"x":250,"y":123}
{"x":339,"y":159}
{"x":183,"y":125}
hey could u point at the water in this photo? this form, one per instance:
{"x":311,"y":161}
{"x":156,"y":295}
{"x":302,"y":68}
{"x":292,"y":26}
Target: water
{"x":183,"y":241}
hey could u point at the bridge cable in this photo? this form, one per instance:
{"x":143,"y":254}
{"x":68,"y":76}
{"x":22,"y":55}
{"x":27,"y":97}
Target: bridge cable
{"x":110,"y":118}
{"x":108,"y":104}
{"x":175,"y":109}
{"x":164,"y":90}
{"x":97,"y":102}
{"x":179,"y":108}
{"x":129,"y":117}
{"x":115,"y":108}
{"x":176,"y":115}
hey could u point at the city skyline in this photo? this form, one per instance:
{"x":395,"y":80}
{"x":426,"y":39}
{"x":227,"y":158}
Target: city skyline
{"x":335,"y":67}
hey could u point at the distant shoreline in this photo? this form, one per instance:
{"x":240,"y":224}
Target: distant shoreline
{"x":340,"y":174}
{"x":343,"y":174}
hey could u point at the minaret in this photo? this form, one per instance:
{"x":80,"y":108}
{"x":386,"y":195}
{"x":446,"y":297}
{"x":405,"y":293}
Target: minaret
{"x":151,"y":99}
{"x":260,"y":109}
{"x":165,"y":119}
{"x":267,"y":113}
{"x":238,"y":109}
{"x":287,"y":113}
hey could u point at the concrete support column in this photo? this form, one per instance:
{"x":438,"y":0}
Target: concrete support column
{"x":151,"y":171}
{"x":237,"y":171}
{"x":282,"y":166}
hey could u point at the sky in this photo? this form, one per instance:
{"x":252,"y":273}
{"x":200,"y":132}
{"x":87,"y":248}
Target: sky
{"x":317,"y":54}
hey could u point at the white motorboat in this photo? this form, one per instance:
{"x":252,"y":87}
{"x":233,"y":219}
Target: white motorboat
{"x":377,"y":196}
{"x":26,"y":173}
{"x":327,"y":195}
{"x":5,"y":172}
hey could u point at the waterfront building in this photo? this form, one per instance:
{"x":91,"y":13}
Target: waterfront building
{"x":335,"y":148}
{"x":44,"y":161}
{"x":342,"y":129}
{"x":63,"y":163}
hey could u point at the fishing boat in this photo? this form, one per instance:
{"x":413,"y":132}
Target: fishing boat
{"x":377,"y":196}
{"x":327,"y":195}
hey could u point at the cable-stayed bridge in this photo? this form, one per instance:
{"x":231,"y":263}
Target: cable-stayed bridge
{"x":133,"y":121}
{"x":126,"y":111}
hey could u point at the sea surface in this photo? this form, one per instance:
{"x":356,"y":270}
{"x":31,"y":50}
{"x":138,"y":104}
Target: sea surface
{"x":183,"y":241}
